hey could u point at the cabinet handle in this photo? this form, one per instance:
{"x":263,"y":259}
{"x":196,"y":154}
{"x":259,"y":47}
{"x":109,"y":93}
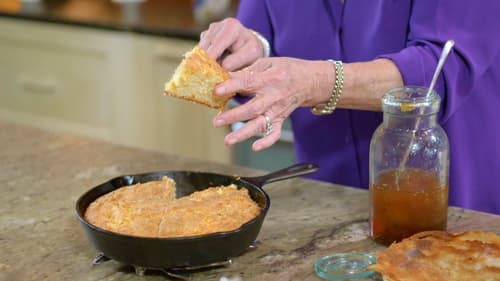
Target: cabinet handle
{"x":46,"y":85}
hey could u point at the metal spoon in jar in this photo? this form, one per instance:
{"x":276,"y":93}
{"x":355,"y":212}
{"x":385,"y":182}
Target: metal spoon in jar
{"x":442,"y":59}
{"x":448,"y":46}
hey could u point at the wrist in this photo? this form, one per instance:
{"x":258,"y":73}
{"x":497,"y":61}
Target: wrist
{"x":266,"y":47}
{"x":332,"y":89}
{"x":323,"y":75}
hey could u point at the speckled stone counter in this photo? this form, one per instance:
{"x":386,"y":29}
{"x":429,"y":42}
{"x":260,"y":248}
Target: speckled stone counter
{"x":42,"y":174}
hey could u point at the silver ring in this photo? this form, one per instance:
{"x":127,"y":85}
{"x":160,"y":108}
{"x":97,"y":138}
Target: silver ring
{"x":269,"y":125}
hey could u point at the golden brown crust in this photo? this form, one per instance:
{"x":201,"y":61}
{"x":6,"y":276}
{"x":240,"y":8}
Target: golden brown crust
{"x":195,"y":79}
{"x":135,"y":209}
{"x":211,"y":210}
{"x":151,"y":210}
{"x":439,"y":255}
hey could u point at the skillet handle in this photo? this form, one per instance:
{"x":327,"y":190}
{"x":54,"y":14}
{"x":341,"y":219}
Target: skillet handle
{"x":283,"y":174}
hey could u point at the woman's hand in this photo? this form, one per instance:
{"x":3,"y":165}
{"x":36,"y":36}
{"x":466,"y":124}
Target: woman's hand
{"x":232,"y":44}
{"x":277,"y":87}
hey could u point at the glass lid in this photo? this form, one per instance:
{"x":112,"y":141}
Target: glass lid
{"x":349,"y":266}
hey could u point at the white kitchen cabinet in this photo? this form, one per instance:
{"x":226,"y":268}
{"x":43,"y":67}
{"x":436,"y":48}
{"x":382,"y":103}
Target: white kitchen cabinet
{"x":103,"y":84}
{"x":53,"y":78}
{"x":180,"y":126}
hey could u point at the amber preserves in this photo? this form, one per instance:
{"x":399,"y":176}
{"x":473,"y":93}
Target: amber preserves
{"x":406,"y":202}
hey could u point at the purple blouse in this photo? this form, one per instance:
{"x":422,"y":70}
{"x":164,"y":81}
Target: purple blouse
{"x":411,"y":34}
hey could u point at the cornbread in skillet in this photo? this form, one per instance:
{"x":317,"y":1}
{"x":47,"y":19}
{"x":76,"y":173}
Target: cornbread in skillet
{"x":195,"y":79}
{"x":151,"y":210}
{"x":214,"y":209}
{"x":439,"y":255}
{"x":135,"y":210}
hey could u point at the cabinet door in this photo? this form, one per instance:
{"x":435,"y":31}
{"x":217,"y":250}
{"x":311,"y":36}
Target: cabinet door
{"x":53,"y":78}
{"x":182,"y":127}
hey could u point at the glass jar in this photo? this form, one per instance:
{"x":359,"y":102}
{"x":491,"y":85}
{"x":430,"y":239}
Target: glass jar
{"x":409,"y":167}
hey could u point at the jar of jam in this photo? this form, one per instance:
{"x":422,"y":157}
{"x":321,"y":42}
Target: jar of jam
{"x":409,"y":167}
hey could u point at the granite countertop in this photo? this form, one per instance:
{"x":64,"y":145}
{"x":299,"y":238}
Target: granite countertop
{"x":42,"y":174}
{"x":173,"y":18}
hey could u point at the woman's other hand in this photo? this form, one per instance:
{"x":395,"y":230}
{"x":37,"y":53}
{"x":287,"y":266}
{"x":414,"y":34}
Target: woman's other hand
{"x":232,"y":44}
{"x":277,"y":87}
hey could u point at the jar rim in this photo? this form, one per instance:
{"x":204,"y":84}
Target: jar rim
{"x":414,"y":94}
{"x":411,"y":99}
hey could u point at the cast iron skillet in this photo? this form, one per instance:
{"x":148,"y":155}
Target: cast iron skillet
{"x":164,"y":253}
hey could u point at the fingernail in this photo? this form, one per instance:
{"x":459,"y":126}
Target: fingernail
{"x":220,"y":90}
{"x":219,"y":122}
{"x":256,"y":147}
{"x":230,"y":140}
{"x":227,"y":65}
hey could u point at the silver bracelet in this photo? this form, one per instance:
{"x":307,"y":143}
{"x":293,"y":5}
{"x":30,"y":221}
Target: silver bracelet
{"x":265,"y":44}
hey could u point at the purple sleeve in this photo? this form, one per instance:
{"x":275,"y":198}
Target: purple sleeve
{"x":474,"y":26}
{"x":253,"y":14}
